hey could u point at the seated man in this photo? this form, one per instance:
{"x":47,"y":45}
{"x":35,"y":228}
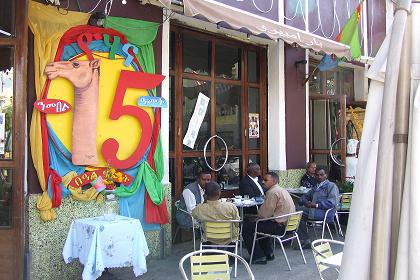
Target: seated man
{"x":316,"y":202}
{"x":308,"y":179}
{"x":213,"y":209}
{"x":192,"y":195}
{"x":277,"y":202}
{"x":251,"y":184}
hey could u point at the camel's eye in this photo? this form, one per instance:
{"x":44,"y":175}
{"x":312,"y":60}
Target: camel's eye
{"x":76,"y":64}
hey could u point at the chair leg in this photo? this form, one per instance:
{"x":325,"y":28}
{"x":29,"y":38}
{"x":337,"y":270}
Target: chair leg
{"x":340,"y":232}
{"x":236,"y":260}
{"x":300,"y":247}
{"x":252,"y":250}
{"x":285,"y":256}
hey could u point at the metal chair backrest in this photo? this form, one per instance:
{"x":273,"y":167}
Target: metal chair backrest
{"x":345,"y":201}
{"x":321,"y":248}
{"x":217,"y":230}
{"x":293,"y":221}
{"x":211,"y":267}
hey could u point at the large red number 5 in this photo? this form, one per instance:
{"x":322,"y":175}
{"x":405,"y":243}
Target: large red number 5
{"x":130,"y":79}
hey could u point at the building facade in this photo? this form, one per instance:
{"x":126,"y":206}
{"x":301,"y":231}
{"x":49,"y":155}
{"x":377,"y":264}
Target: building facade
{"x":259,"y":108}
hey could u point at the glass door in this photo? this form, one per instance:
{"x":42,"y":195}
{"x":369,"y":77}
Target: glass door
{"x":230,"y":74}
{"x":327,"y":121}
{"x":13,"y":44}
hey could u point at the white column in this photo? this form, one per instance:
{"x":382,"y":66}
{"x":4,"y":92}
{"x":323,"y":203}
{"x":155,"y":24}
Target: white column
{"x":165,"y":94}
{"x":276,"y":108}
{"x":276,"y":102}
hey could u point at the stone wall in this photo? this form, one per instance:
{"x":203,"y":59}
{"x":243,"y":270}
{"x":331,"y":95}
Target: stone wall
{"x":46,"y":239}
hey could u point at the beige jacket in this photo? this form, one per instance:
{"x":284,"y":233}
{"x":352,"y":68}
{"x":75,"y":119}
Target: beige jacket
{"x":277,"y":202}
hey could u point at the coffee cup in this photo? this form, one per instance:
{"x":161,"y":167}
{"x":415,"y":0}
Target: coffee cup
{"x":223,"y":199}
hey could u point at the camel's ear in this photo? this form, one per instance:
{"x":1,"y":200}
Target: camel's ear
{"x":94,"y":63}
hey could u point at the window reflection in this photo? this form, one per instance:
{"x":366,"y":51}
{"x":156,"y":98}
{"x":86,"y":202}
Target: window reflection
{"x":228,"y":62}
{"x":7,"y":21}
{"x":229,"y":176}
{"x":5,"y":197}
{"x":228,"y":114}
{"x":6,"y":102}
{"x":253,"y":67}
{"x":196,"y":55}
{"x":191,"y":90}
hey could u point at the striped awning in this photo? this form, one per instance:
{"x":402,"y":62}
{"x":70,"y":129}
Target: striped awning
{"x":238,"y":19}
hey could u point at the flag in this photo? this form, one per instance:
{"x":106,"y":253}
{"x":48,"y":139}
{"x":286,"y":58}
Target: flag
{"x":349,"y":35}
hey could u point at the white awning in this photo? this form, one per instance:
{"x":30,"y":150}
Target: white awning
{"x":238,"y":19}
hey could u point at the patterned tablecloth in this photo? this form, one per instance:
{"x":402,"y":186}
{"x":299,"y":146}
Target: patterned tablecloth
{"x":99,"y":243}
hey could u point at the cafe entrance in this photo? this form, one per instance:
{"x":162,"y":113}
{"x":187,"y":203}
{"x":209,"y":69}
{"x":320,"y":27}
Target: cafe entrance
{"x":232,"y":77}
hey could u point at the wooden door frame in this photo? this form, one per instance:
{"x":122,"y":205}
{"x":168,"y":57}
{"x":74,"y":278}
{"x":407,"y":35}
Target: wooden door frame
{"x":341,"y":99}
{"x":177,"y":73}
{"x":19,"y":42}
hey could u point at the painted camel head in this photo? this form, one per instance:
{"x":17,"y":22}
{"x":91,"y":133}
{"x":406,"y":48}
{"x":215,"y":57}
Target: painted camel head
{"x":79,"y":73}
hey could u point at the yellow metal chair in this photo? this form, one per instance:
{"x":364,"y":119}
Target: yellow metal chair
{"x":344,"y":206}
{"x":290,"y":233}
{"x":218,"y":233}
{"x":211,"y":267}
{"x":325,"y":224}
{"x":193,"y":221}
{"x":321,"y":248}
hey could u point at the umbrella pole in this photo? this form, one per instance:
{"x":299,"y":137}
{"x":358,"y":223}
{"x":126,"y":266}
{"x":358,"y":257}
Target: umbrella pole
{"x":381,"y":229}
{"x":402,"y":113}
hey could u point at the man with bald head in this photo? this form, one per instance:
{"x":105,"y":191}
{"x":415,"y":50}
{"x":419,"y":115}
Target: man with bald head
{"x":251,"y":184}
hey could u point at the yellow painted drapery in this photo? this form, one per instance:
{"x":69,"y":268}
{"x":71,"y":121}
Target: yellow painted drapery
{"x":48,"y":26}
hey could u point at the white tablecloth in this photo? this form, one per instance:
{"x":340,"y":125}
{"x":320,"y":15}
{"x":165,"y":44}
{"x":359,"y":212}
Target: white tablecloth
{"x":100,"y":243}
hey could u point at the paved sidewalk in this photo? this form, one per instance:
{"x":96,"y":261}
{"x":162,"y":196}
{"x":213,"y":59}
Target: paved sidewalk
{"x":162,"y":269}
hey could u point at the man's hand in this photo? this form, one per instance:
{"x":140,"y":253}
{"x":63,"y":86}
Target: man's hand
{"x":310,"y":204}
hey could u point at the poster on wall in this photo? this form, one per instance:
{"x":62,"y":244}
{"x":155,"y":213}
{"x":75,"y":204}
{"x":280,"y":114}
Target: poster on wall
{"x":254,"y":125}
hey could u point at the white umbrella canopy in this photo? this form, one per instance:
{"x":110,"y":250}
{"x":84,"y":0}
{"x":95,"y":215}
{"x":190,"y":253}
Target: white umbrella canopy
{"x":381,"y":243}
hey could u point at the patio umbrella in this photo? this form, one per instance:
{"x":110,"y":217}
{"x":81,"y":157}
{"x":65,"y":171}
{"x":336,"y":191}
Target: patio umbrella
{"x":380,"y":239}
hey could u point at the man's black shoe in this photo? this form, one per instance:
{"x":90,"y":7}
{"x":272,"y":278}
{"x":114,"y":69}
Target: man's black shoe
{"x":260,"y":260}
{"x":305,"y":245}
{"x":270,"y":257}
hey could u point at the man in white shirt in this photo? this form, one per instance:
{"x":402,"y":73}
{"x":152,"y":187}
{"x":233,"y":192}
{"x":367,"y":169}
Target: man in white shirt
{"x":192,"y":195}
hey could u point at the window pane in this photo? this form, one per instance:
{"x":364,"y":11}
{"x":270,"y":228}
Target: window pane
{"x":229,"y":176}
{"x":315,"y":82}
{"x":6,"y":102}
{"x":254,"y":158}
{"x":254,"y":118}
{"x":197,"y":54}
{"x":7,"y":20}
{"x":172,"y":98}
{"x":228,"y":115}
{"x":324,"y":124}
{"x":191,"y":166}
{"x":5,"y":197}
{"x":191,"y":89}
{"x":253,"y":67}
{"x":331,"y":82}
{"x":228,"y":62}
{"x":347,"y":83}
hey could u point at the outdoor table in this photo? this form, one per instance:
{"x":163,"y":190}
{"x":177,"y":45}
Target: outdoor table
{"x":101,"y":242}
{"x":334,"y":261}
{"x":241,"y":205}
{"x":297,"y":192}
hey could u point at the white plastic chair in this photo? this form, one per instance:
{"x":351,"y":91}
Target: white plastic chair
{"x":321,"y":248}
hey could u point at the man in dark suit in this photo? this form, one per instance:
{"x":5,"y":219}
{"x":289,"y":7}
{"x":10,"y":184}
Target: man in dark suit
{"x":252,"y":184}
